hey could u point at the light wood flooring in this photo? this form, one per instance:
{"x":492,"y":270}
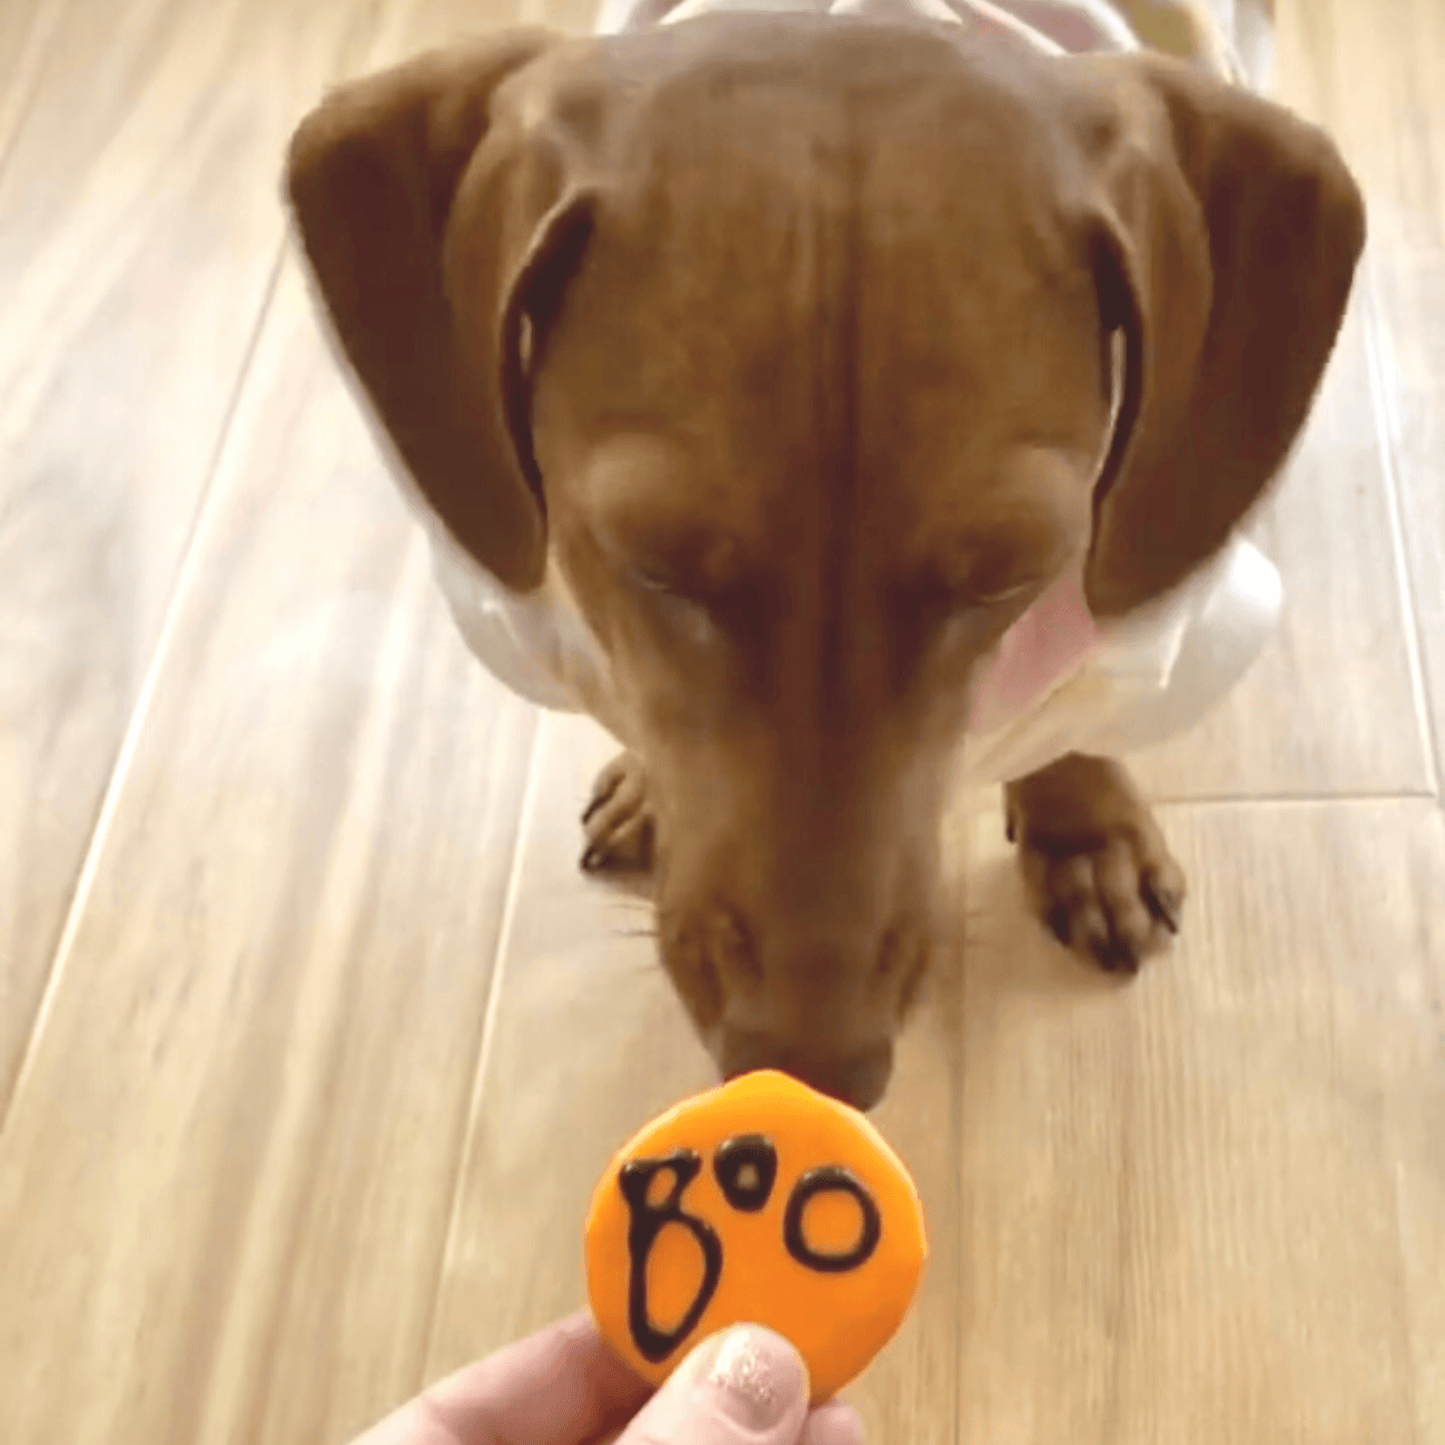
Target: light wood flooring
{"x":313,"y":1039}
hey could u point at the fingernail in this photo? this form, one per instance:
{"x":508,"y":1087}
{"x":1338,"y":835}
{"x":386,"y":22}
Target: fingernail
{"x":1058,"y":921}
{"x":758,"y":1376}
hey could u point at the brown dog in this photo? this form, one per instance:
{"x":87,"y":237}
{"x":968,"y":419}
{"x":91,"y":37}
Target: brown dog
{"x":780,"y":346}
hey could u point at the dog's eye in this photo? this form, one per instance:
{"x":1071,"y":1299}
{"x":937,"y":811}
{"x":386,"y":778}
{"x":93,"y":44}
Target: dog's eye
{"x":1001,"y":598}
{"x":975,"y":622}
{"x":685,"y":614}
{"x":984,"y":608}
{"x":648,"y":583}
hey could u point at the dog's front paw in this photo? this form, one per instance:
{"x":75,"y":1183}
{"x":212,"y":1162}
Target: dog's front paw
{"x":618,"y":820}
{"x":1095,"y":861}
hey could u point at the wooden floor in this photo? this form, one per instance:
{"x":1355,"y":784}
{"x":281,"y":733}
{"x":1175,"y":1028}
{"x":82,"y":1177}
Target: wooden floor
{"x":312,"y":1038}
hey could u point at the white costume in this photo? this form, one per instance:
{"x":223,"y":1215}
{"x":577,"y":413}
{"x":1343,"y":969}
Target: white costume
{"x":1060,"y":682}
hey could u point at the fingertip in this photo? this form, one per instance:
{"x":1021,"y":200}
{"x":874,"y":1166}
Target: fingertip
{"x":835,"y":1423}
{"x":758,"y":1376}
{"x":743,"y":1386}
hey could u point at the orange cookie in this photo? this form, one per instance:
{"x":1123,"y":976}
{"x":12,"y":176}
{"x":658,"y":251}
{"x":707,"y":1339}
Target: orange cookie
{"x":761,"y":1202}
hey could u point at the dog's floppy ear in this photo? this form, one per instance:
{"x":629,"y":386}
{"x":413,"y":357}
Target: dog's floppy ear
{"x":431,"y":217}
{"x":1229,"y":233}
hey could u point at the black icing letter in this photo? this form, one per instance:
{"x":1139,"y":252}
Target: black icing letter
{"x":829,"y":1179}
{"x":746,"y":1167}
{"x":646,"y":1222}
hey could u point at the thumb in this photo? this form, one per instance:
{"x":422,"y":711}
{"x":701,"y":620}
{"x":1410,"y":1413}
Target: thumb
{"x":746,"y":1386}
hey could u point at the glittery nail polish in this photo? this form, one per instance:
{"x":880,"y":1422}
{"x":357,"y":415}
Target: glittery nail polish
{"x":759,"y":1376}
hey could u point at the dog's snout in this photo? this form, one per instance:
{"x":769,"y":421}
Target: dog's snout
{"x":857,"y":1077}
{"x":820,"y":1000}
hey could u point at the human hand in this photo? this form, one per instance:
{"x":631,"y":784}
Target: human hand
{"x":562,"y":1386}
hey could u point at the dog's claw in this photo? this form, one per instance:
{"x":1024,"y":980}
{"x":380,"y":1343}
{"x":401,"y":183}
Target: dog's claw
{"x":618,"y":819}
{"x":1057,"y":920}
{"x":1095,"y":862}
{"x":606,"y":787}
{"x":1118,"y":957}
{"x":1101,"y":902}
{"x":1164,"y":901}
{"x":1166,"y":917}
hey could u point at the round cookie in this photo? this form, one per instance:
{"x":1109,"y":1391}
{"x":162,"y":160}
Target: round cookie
{"x":759,"y":1202}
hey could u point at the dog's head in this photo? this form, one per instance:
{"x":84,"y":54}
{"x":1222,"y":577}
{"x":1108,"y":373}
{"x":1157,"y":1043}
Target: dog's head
{"x":789,"y":341}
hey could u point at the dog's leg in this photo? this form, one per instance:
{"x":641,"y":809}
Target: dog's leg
{"x":1094,"y":859}
{"x":618,"y":820}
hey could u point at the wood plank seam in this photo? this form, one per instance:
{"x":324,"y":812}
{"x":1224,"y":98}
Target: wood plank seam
{"x":1348,"y":795}
{"x":135,"y":724}
{"x":1386,"y":430}
{"x":471,"y":1127}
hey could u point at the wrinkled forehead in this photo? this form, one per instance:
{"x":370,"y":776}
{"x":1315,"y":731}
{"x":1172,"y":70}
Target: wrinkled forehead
{"x":844,"y":277}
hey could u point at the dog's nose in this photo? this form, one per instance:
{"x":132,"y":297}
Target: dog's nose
{"x":857,"y":1078}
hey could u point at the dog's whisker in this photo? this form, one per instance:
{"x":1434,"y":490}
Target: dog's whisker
{"x":632,"y":903}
